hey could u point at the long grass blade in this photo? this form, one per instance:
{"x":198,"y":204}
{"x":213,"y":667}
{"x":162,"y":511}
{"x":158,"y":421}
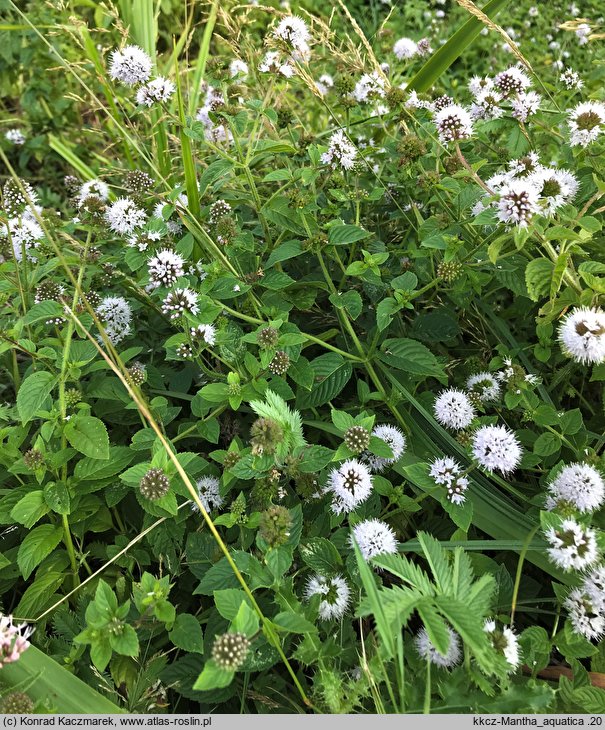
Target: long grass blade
{"x":445,"y":56}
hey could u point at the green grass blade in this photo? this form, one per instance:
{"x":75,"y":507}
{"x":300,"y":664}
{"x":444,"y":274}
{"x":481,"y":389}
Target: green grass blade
{"x":200,"y":67}
{"x":44,"y":679}
{"x":382,"y":625}
{"x":445,"y":56}
{"x":70,"y":157}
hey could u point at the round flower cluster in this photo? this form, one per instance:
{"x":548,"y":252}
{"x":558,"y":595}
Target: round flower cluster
{"x":585,"y":605}
{"x":204,"y":334}
{"x":578,"y":485}
{"x":158,"y":90}
{"x":392,"y":437}
{"x":14,"y":640}
{"x":165,"y":268}
{"x":229,"y":651}
{"x":582,"y":335}
{"x":15,"y":136}
{"x":374,"y":537}
{"x":154,"y":484}
{"x":116,"y":315}
{"x":485,"y":386}
{"x":340,"y":152}
{"x":448,"y":473}
{"x":335,"y":595}
{"x":130,"y":66}
{"x":208,"y":489}
{"x":453,"y":409}
{"x":351,"y":484}
{"x":180,"y":301}
{"x":504,"y":641}
{"x":572,"y":545}
{"x":586,"y":123}
{"x":427,"y":651}
{"x":124,"y":216}
{"x":496,"y":448}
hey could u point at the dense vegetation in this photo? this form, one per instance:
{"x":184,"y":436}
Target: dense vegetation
{"x":302,"y":357}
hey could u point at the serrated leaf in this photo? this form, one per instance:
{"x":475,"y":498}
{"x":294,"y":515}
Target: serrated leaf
{"x":36,"y":546}
{"x":34,"y":393}
{"x":88,"y":435}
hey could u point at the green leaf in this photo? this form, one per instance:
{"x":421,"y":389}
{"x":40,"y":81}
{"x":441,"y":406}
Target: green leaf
{"x":293,"y":622}
{"x":590,"y":699}
{"x":124,"y":641}
{"x":40,"y":595}
{"x":447,"y":54}
{"x":187,"y":634}
{"x":30,"y":509}
{"x":45,"y":678}
{"x":213,"y":677}
{"x":538,"y":275}
{"x":340,"y":235}
{"x":332,"y":373}
{"x":228,"y":602}
{"x":350,"y":300}
{"x":547,"y":444}
{"x":91,"y":469}
{"x":47,"y":309}
{"x":34,"y":393}
{"x":88,"y":435}
{"x":320,"y":555}
{"x":36,"y":546}
{"x":412,"y":357}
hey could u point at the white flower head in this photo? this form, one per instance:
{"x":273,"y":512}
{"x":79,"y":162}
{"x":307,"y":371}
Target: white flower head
{"x":393,"y":437}
{"x":572,"y":546}
{"x":116,"y":315}
{"x":524,"y":105}
{"x":369,"y":88}
{"x":505,"y":642}
{"x":583,"y":31}
{"x":580,"y":485}
{"x":15,"y":136}
{"x":496,"y":448}
{"x":374,"y":537}
{"x":204,"y":333}
{"x":586,"y":123}
{"x":156,"y":91}
{"x":453,"y":409}
{"x":93,"y":188}
{"x":487,"y":105}
{"x":426,"y":650}
{"x":237,"y":67}
{"x":335,"y":593}
{"x":293,"y":31}
{"x":582,"y":335}
{"x":594,"y":585}
{"x":571,"y":79}
{"x":340,"y":152}
{"x":513,"y":80}
{"x":25,"y":234}
{"x":124,"y":216}
{"x":485,"y":386}
{"x":165,"y":268}
{"x":405,"y":48}
{"x":14,"y":640}
{"x":179,"y":301}
{"x":131,"y":66}
{"x":208,"y":489}
{"x":478,"y":85}
{"x":273,"y":62}
{"x":447,"y":472}
{"x":351,"y":484}
{"x":517,"y":203}
{"x":555,"y":188}
{"x":585,"y":616}
{"x":453,"y":123}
